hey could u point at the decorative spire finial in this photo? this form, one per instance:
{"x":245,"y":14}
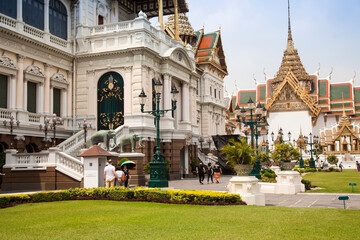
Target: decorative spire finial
{"x":290,"y":43}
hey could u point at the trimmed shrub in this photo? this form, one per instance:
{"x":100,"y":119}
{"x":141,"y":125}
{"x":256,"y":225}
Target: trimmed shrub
{"x":122,"y":193}
{"x":307,"y":184}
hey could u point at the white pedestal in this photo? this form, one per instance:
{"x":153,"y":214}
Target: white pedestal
{"x":276,"y":169}
{"x":289,"y":182}
{"x":249,"y":189}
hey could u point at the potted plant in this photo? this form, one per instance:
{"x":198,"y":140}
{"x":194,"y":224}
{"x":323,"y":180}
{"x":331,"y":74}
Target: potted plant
{"x":264,"y":159}
{"x":240,"y":156}
{"x":284,"y":153}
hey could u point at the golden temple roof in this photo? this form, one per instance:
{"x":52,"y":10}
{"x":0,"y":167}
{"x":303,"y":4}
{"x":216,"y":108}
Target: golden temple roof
{"x":186,"y":31}
{"x":291,"y":61}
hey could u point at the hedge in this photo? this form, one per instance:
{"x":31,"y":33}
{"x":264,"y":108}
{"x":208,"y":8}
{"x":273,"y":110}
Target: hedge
{"x":122,"y":193}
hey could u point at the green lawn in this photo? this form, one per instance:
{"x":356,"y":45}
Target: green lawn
{"x":142,"y":220}
{"x":335,"y":182}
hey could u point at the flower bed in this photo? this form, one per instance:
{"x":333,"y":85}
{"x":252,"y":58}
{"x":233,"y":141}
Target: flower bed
{"x":126,"y":194}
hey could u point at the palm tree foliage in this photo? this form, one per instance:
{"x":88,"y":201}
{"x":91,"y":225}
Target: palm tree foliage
{"x":285,"y":152}
{"x":238,"y":152}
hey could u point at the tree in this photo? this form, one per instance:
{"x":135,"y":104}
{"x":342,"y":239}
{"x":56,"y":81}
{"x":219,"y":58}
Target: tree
{"x":238,"y":152}
{"x":285,"y":152}
{"x":332,"y":159}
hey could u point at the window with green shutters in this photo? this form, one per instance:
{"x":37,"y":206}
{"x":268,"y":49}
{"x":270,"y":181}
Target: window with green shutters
{"x":3,"y":91}
{"x":56,"y":101}
{"x":31,"y":97}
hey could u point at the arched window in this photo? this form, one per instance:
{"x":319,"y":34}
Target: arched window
{"x":33,"y":13}
{"x":8,"y":8}
{"x":57,"y":19}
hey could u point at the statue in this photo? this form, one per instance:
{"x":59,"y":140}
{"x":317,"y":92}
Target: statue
{"x":103,"y":136}
{"x":132,"y":138}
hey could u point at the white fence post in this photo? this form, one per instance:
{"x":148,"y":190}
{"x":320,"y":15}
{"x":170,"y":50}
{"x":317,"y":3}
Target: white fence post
{"x":52,"y":156}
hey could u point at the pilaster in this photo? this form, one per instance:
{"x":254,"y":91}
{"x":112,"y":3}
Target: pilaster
{"x":20,"y":83}
{"x":47,"y":89}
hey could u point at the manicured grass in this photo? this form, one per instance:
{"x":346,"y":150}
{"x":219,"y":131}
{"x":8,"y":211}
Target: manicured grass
{"x":335,"y":182}
{"x":142,"y":220}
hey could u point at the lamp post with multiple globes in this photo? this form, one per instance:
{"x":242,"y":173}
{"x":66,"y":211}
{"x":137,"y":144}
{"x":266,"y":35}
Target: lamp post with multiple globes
{"x":158,"y":174}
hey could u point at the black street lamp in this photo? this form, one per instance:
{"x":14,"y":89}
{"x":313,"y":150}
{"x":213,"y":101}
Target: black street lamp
{"x":209,"y":142}
{"x":201,"y":140}
{"x":12,"y":125}
{"x":158,"y":175}
{"x":258,"y":118}
{"x":300,"y":145}
{"x":55,"y":121}
{"x":311,"y":141}
{"x":85,"y":125}
{"x":46,"y":128}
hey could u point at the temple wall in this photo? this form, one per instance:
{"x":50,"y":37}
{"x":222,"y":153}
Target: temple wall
{"x":289,"y":121}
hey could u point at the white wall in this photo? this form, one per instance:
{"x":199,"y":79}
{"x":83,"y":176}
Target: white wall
{"x":289,"y":121}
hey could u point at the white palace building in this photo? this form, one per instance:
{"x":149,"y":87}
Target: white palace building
{"x":60,"y":57}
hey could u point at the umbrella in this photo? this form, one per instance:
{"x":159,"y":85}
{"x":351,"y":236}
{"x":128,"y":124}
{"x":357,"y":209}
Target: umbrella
{"x":129,"y":164}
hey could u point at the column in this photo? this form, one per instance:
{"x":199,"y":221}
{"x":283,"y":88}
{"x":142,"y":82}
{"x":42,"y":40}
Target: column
{"x":69,"y":95}
{"x":46,"y":16}
{"x":51,"y":107}
{"x":20,"y":83}
{"x":19,"y":10}
{"x":12,"y":94}
{"x":47,"y":89}
{"x":167,"y":90}
{"x":41,"y":98}
{"x":185,"y":102}
{"x":176,"y":16}
{"x":63,"y":103}
{"x":25,"y":95}
{"x":161,"y":21}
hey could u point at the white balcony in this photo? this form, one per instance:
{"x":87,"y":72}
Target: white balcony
{"x":34,"y":33}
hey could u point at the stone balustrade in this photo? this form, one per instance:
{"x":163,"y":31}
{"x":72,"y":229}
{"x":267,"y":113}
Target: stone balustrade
{"x":34,"y":33}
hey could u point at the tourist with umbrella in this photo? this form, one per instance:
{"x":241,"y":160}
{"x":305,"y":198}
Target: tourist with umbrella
{"x":125,"y":168}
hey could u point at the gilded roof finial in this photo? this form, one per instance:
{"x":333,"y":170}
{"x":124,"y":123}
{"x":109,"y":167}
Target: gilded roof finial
{"x":329,"y":77}
{"x":318,"y":70}
{"x":290,"y":43}
{"x":256,"y":83}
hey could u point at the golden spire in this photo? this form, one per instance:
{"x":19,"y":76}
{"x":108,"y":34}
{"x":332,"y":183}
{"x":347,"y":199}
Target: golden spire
{"x":291,"y":62}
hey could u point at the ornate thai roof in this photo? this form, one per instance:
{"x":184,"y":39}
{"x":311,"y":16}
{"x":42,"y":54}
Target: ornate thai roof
{"x":291,"y":60}
{"x":296,"y":87}
{"x":186,"y":31}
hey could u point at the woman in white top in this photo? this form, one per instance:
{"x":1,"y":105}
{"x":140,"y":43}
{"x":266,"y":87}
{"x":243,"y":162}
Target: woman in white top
{"x":119,"y":174}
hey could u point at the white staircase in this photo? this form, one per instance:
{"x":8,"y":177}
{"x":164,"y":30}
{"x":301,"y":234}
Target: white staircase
{"x":63,"y":157}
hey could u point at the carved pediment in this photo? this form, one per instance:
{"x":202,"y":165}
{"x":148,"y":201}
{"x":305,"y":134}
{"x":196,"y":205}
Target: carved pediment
{"x":35,"y":70}
{"x":59,"y":80}
{"x":7,"y":62}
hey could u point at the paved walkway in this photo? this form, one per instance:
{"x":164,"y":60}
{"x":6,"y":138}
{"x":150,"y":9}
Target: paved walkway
{"x":320,"y":200}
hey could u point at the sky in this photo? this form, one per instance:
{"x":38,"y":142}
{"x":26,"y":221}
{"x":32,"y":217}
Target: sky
{"x":254,"y":35}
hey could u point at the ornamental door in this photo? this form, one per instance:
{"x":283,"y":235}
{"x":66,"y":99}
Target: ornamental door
{"x":110,"y":101}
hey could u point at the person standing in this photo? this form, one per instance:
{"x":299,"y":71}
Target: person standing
{"x":126,"y":172}
{"x":119,"y":174}
{"x":358,"y":166}
{"x":340,"y":166}
{"x":109,"y":175}
{"x":210,"y":173}
{"x":200,"y":170}
{"x":217,"y":173}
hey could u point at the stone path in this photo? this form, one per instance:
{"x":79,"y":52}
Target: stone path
{"x":320,"y":200}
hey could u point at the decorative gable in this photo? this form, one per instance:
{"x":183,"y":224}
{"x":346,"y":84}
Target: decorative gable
{"x":289,"y":90}
{"x":35,"y":74}
{"x":58,"y":80}
{"x":7,"y":65}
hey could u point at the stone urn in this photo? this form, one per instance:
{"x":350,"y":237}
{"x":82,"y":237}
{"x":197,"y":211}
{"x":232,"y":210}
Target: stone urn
{"x":243,"y":169}
{"x":287,"y":166}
